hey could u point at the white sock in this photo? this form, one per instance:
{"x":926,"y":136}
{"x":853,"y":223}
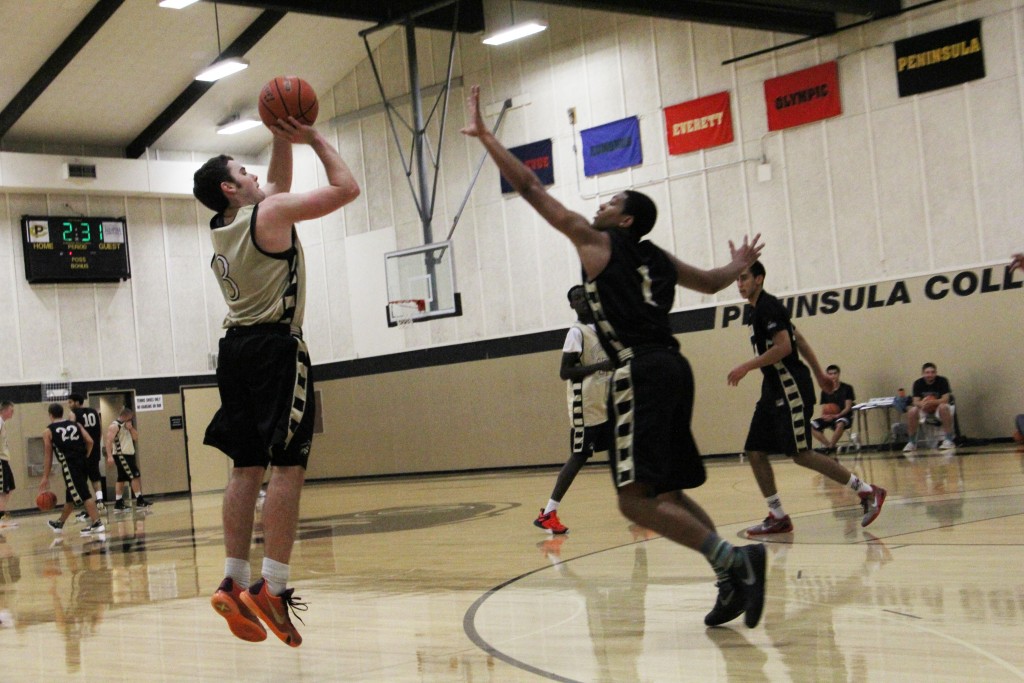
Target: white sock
{"x":858,"y":485}
{"x":237,"y":570}
{"x":276,"y":575}
{"x":775,"y":506}
{"x":552,"y":506}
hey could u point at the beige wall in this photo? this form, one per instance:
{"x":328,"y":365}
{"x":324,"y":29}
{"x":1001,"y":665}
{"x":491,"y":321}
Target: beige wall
{"x":511,"y":411}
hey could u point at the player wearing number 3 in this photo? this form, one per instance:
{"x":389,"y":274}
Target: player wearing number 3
{"x":630,"y":285}
{"x":266,"y":391}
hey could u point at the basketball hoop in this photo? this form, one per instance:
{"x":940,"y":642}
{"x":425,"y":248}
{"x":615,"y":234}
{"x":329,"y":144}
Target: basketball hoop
{"x":402,"y":312}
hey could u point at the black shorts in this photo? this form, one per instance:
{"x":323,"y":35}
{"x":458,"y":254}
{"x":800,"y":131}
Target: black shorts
{"x":127,"y":467}
{"x":780,"y":425}
{"x":830,"y":423}
{"x":92,"y":464}
{"x":76,"y":484}
{"x":586,"y":441}
{"x":266,"y":394}
{"x":6,"y":477}
{"x":651,"y":404}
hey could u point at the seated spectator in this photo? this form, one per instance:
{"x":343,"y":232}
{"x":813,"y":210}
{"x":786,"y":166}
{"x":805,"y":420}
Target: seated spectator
{"x":932,"y":402}
{"x":836,"y":412}
{"x":1018,"y":433}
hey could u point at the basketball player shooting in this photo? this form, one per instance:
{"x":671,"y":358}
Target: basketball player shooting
{"x":630,"y":287}
{"x":263,"y":370}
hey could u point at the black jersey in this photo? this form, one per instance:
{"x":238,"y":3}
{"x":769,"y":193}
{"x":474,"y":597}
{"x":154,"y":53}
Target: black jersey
{"x":90,"y":419}
{"x":937,"y":389}
{"x":633,"y":295}
{"x":67,"y":439}
{"x":767,"y":317}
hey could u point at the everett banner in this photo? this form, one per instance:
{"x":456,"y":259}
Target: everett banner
{"x":699,"y":124}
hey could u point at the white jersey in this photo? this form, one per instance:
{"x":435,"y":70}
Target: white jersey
{"x":123,"y":442}
{"x":258,"y":287}
{"x":5,"y":448}
{"x":589,"y":397}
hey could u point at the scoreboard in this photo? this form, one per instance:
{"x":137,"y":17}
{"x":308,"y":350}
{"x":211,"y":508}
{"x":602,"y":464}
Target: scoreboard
{"x":75,"y":249}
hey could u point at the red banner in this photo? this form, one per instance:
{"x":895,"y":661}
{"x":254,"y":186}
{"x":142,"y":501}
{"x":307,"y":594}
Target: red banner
{"x":699,"y":124}
{"x":803,"y":96}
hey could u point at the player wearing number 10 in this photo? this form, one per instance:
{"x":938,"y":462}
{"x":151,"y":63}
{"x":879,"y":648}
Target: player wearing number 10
{"x":630,"y":284}
{"x":90,"y":419}
{"x":266,"y":391}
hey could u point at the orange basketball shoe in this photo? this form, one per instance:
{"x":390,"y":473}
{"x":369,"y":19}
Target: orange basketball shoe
{"x":550,"y":523}
{"x":242,"y":622}
{"x":273,"y":610}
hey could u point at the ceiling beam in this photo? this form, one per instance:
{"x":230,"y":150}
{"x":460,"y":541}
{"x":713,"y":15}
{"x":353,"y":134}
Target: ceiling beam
{"x":768,"y":17}
{"x":61,"y":57}
{"x":470,"y":12}
{"x":864,"y":8}
{"x":196,"y":89}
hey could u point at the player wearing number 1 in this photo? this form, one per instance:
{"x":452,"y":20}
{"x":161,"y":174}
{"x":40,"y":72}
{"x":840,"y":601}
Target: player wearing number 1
{"x":630,"y":285}
{"x":263,"y":369}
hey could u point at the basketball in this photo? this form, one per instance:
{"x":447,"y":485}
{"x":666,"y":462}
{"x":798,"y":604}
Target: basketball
{"x":929,"y":404}
{"x":829,"y":409}
{"x":46,"y":500}
{"x":288,"y":96}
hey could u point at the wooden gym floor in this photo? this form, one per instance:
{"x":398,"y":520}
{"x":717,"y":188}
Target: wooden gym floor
{"x":444,"y":578}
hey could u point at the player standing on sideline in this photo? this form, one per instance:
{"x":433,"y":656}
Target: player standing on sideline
{"x":90,"y":419}
{"x":586,"y":369}
{"x":263,"y":370}
{"x":122,"y":438}
{"x":630,"y":285}
{"x":6,"y":475}
{"x":782,"y":416}
{"x":70,"y":443}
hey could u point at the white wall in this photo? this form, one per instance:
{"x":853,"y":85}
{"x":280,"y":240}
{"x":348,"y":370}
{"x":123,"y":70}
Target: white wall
{"x":894,"y":187}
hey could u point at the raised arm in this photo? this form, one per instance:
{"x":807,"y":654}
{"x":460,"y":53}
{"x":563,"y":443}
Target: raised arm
{"x":1017,"y":262}
{"x":280,"y":211}
{"x":593,"y":246}
{"x":716,"y":279}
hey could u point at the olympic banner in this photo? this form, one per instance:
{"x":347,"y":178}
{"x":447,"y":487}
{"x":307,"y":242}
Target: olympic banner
{"x":537,"y":157}
{"x":803,"y":96}
{"x":939,"y":59}
{"x":612,"y":146}
{"x":699,"y":124}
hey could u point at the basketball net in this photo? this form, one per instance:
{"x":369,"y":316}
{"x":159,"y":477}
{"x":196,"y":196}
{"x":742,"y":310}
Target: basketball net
{"x":405,"y":311}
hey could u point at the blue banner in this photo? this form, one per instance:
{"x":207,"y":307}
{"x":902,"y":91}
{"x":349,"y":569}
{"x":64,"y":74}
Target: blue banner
{"x":612,"y":146}
{"x":537,"y":157}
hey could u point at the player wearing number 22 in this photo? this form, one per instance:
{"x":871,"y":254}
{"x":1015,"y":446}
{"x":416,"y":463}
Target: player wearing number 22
{"x":263,"y":369}
{"x":70,"y":444}
{"x":630,"y":285}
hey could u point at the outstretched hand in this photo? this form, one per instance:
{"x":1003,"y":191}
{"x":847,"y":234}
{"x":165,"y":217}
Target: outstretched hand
{"x":1017,"y":262}
{"x":748,"y":252}
{"x":476,"y":126}
{"x":292,"y":131}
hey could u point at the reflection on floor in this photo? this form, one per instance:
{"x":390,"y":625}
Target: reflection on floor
{"x":445,"y":579}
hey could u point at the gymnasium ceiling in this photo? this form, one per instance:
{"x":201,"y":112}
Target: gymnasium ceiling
{"x":115,"y":77}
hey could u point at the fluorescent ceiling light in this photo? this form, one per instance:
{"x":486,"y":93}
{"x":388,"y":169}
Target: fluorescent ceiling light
{"x":237,"y":125}
{"x":224,"y":67}
{"x":176,"y":4}
{"x":527,"y":28}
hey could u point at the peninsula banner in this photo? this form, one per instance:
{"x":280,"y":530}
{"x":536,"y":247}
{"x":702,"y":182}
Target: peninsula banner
{"x":699,"y":124}
{"x":803,"y":96}
{"x":939,"y":59}
{"x":537,"y":157}
{"x":612,"y":146}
